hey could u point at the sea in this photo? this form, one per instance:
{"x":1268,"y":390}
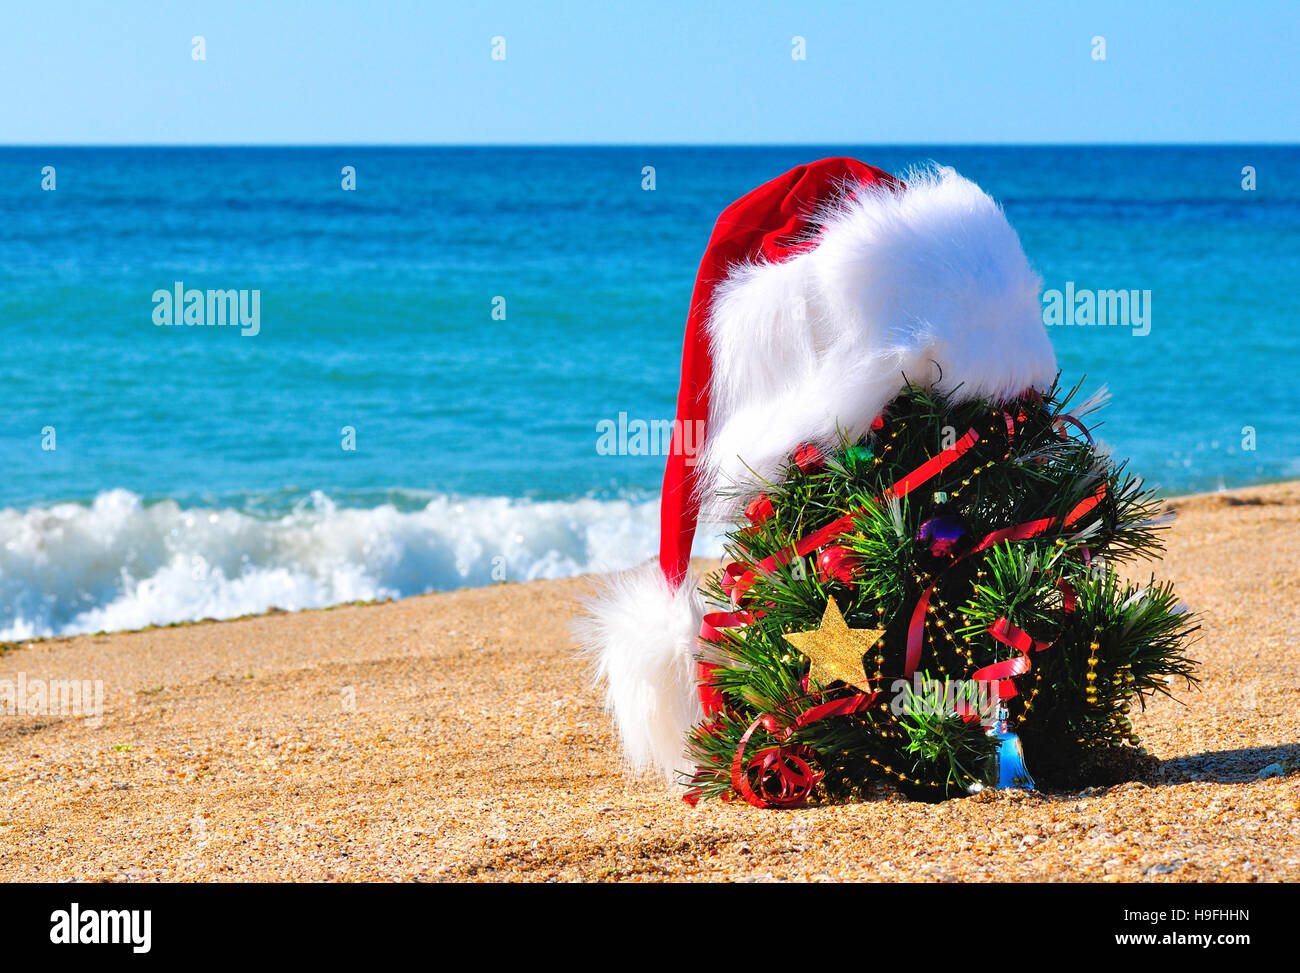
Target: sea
{"x":415,"y":398}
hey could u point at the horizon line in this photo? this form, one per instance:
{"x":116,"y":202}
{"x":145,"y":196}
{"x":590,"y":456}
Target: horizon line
{"x":635,"y":145}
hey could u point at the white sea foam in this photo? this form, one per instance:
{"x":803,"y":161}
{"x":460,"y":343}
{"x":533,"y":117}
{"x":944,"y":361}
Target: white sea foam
{"x":119,"y":563}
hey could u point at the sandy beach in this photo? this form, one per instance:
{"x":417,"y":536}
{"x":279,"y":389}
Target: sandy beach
{"x":455,"y":737}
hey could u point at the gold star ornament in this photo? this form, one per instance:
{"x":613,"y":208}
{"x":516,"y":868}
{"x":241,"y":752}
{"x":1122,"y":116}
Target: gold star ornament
{"x":836,"y":650}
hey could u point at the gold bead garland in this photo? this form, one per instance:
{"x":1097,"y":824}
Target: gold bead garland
{"x":967,"y":482}
{"x":1093,"y":646}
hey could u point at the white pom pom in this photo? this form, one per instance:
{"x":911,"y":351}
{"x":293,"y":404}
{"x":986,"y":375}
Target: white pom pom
{"x":641,"y":635}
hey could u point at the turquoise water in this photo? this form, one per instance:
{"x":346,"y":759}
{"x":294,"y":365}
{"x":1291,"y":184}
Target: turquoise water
{"x":198,"y":471}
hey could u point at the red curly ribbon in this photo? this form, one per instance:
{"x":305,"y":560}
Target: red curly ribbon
{"x":1005,"y":671}
{"x":784,"y":776}
{"x":1016,"y":637}
{"x":1004,"y":631}
{"x":779,"y":784}
{"x":1066,"y":418}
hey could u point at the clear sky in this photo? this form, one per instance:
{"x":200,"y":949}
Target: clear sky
{"x":384,"y":71}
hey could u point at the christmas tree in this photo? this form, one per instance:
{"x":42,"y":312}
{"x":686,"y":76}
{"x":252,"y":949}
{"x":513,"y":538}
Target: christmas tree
{"x":886,"y":599}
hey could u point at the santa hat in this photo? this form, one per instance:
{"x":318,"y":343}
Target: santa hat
{"x":821,"y":295}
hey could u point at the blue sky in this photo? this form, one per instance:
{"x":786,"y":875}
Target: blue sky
{"x":373,"y":71}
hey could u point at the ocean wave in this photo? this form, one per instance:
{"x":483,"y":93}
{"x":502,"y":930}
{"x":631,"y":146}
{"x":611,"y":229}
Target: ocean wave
{"x":120,"y":563}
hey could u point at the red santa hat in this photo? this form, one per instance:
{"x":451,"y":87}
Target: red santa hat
{"x":820,"y":295}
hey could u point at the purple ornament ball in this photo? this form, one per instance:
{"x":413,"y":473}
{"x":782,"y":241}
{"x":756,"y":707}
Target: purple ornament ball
{"x":942,"y":535}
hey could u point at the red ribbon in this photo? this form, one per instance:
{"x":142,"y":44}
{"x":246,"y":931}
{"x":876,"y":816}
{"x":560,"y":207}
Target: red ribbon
{"x":712,"y":623}
{"x":836,"y":707}
{"x":711,"y":697}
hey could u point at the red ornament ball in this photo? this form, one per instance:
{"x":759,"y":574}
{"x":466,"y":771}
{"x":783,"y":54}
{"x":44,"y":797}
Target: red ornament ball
{"x":808,"y":458}
{"x":837,"y":563}
{"x":760,"y":509}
